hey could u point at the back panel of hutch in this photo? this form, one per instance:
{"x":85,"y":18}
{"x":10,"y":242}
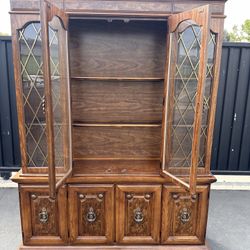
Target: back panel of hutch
{"x":116,"y":104}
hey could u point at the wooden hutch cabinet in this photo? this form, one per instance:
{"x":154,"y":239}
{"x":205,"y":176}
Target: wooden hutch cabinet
{"x":116,"y":104}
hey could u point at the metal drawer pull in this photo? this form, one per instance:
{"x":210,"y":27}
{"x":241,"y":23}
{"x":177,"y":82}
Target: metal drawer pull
{"x":43,"y":216}
{"x":138,"y":215}
{"x":91,"y":216}
{"x":185,"y":215}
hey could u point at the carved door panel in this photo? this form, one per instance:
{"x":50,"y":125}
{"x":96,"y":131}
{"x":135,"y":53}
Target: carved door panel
{"x":138,"y":212}
{"x":91,"y":214}
{"x":183,"y":217}
{"x":43,"y":219}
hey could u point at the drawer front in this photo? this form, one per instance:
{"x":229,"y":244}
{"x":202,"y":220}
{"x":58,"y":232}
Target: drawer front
{"x":91,"y":213}
{"x":138,"y":212}
{"x":183,"y":218}
{"x":43,"y":219}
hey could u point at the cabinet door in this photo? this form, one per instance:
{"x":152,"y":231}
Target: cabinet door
{"x":43,"y":219}
{"x":138,"y":210}
{"x":185,"y":78}
{"x":91,"y":214}
{"x":184,"y":218}
{"x":54,"y":23}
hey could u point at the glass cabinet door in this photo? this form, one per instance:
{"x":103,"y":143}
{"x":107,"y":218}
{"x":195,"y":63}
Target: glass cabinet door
{"x":183,"y":95}
{"x":54,"y":23}
{"x":32,"y":85}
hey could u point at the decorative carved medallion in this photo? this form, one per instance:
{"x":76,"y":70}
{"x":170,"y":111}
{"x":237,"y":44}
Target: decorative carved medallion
{"x":138,"y":210}
{"x":91,"y":216}
{"x":92,"y":211}
{"x":185,"y":215}
{"x":43,"y":215}
{"x":185,"y":209}
{"x":138,"y":215}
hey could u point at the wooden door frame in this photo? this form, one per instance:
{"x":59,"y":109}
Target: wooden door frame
{"x":47,"y":12}
{"x":201,"y":16}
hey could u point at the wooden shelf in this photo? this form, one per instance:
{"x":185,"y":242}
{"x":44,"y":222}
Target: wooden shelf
{"x":114,"y":78}
{"x":75,"y":124}
{"x":124,"y":158}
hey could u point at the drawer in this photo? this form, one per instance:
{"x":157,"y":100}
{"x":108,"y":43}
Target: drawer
{"x":43,"y":219}
{"x":138,"y":210}
{"x":91,"y":213}
{"x":184,"y":219}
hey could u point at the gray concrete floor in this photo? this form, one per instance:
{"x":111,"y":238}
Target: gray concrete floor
{"x":228,"y":222}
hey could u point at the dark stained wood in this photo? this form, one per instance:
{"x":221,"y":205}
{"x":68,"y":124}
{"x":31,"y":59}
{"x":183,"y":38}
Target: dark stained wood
{"x":138,"y":48}
{"x":182,"y":247}
{"x":138,"y":214}
{"x":183,"y":218}
{"x":86,"y":201}
{"x":113,"y":85}
{"x":109,"y":178}
{"x":47,"y":12}
{"x":125,"y":102}
{"x":201,"y":16}
{"x":48,"y":98}
{"x":160,"y":8}
{"x":116,"y":167}
{"x":53,"y":10}
{"x":206,"y":16}
{"x":217,"y":26}
{"x":36,"y":200}
{"x":61,"y":90}
{"x":109,"y":142}
{"x":17,"y":22}
{"x":31,"y":4}
{"x":216,"y":7}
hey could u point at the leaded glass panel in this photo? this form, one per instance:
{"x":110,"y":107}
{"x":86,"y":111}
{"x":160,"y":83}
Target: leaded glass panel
{"x":33,"y":94}
{"x":184,"y":82}
{"x":56,"y":91}
{"x":30,"y":43}
{"x":206,"y":98}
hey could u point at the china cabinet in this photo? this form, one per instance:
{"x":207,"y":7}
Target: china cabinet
{"x":116,"y":103}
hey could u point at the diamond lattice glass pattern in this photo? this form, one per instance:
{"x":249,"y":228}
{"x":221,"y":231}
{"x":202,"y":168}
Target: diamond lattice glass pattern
{"x":33,"y":94}
{"x":206,"y":98}
{"x":30,"y":43}
{"x":185,"y":87}
{"x":56,"y":97}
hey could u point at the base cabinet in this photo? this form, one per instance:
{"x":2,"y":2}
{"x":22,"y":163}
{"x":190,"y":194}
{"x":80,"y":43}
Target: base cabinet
{"x":91,"y":214}
{"x":184,"y":218}
{"x":138,"y":210}
{"x":107,"y":214}
{"x":43,"y":219}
